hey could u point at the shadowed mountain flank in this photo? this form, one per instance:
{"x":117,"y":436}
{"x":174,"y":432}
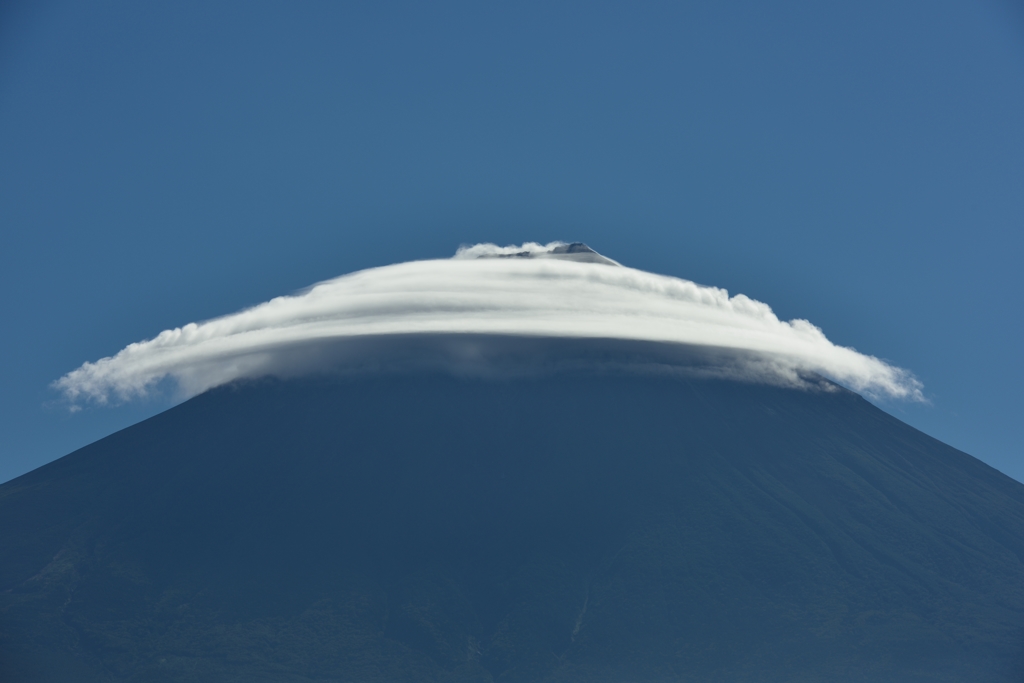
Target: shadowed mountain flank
{"x":571,"y":527}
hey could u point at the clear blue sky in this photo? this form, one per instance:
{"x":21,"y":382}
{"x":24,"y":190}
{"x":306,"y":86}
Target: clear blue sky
{"x":858,"y":164}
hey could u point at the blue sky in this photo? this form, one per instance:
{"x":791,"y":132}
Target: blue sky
{"x":861,"y":166}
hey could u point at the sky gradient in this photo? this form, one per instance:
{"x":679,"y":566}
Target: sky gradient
{"x":861,"y":167}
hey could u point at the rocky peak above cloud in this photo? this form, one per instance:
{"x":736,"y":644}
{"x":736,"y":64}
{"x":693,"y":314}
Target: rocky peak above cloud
{"x":563,"y":251}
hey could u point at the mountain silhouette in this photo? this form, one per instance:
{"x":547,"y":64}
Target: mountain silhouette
{"x":576,"y":525}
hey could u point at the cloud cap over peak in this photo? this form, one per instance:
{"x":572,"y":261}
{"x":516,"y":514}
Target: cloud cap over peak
{"x":557,"y":290}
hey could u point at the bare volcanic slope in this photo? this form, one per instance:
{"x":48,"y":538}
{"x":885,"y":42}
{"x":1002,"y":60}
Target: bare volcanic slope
{"x":579,"y":526}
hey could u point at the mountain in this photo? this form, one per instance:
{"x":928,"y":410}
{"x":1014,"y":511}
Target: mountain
{"x":575,"y":251}
{"x":579,"y":525}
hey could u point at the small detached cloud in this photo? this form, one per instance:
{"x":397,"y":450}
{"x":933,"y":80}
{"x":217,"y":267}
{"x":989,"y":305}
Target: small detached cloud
{"x":556,"y":290}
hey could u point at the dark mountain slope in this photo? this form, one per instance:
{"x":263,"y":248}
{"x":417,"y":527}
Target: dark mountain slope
{"x":568,"y":528}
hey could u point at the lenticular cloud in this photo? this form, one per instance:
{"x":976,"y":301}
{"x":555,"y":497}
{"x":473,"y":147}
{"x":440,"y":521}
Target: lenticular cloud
{"x":541,"y":291}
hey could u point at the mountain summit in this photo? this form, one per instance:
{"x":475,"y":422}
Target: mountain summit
{"x":590,"y":523}
{"x":573,"y":251}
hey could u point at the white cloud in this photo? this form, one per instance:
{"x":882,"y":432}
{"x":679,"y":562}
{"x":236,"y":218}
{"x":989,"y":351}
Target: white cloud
{"x":552,"y":291}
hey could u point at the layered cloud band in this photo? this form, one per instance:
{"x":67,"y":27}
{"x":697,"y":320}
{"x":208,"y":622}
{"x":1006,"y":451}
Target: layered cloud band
{"x":557,"y":291}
